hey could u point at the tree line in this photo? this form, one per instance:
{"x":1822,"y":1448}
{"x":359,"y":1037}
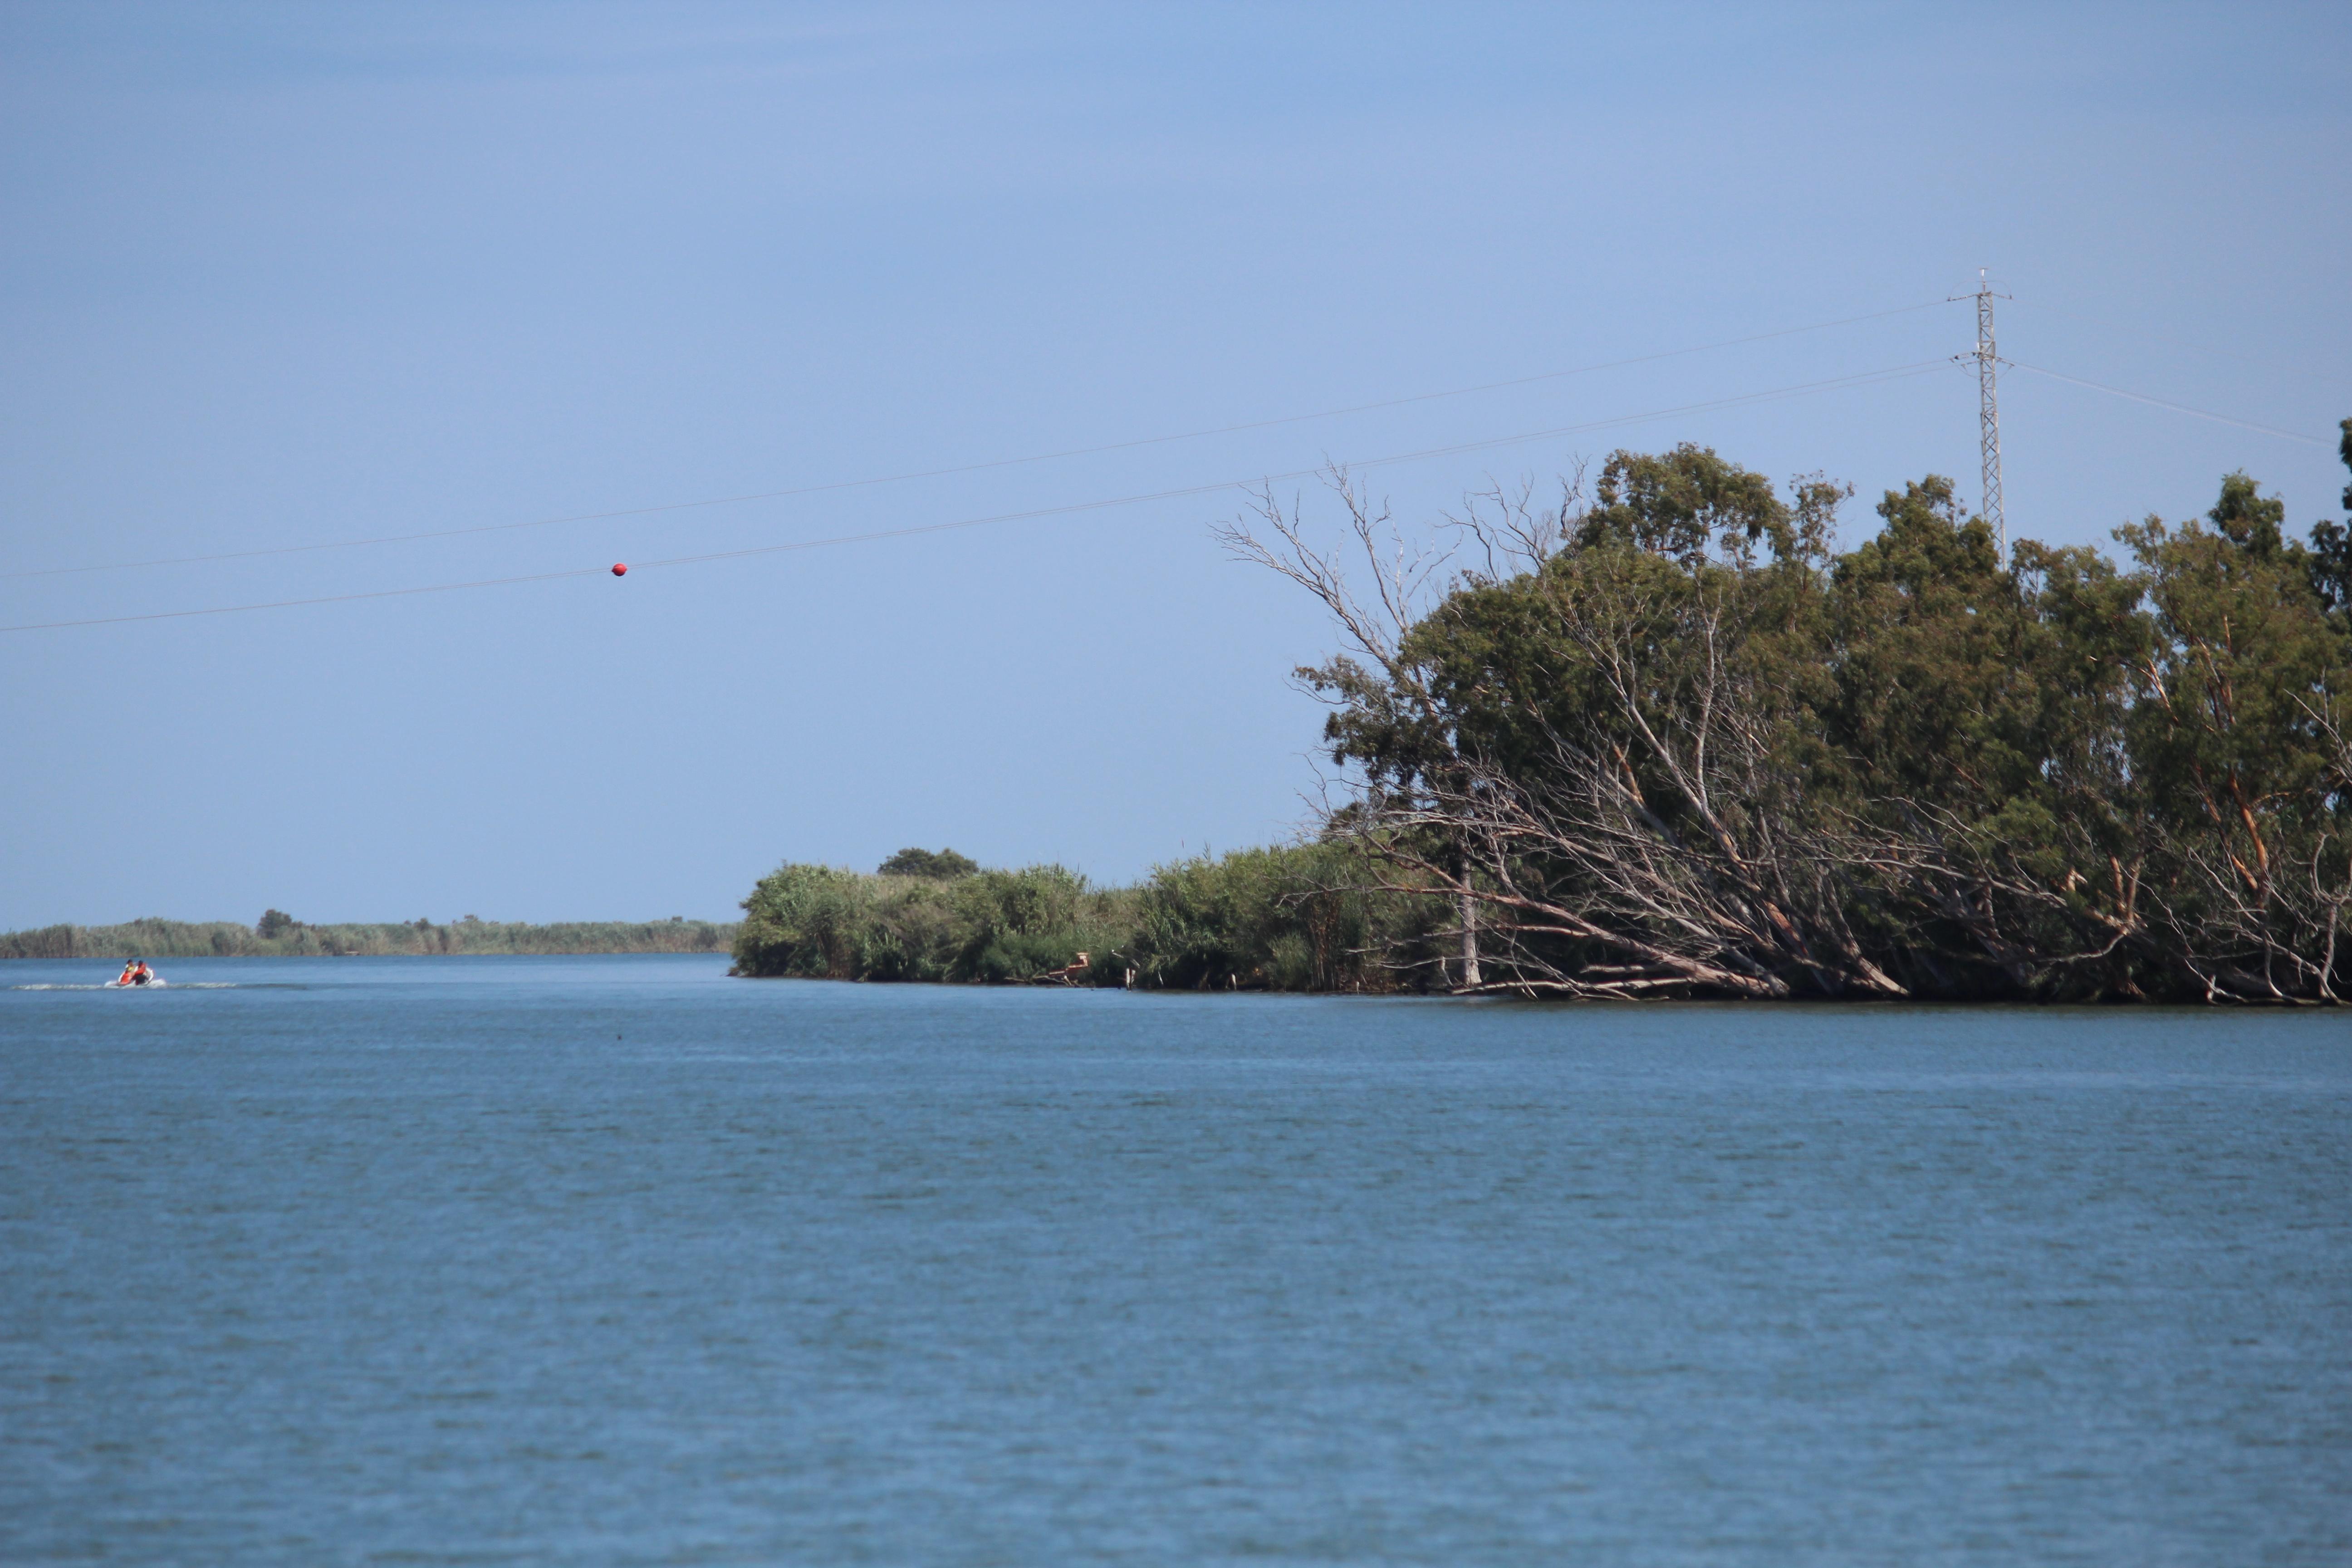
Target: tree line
{"x":1670,"y":739}
{"x":1673,"y":742}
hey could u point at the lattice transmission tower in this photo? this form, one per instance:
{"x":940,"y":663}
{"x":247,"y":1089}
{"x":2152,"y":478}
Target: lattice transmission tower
{"x":1989,"y":414}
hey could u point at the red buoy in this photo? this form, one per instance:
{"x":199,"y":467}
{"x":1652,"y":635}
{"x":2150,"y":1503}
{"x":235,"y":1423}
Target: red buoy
{"x":620,"y":568}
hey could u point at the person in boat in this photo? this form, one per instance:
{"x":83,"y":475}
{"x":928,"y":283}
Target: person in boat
{"x":129,"y":975}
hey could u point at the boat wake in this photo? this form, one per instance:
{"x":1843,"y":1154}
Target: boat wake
{"x":150,"y":985}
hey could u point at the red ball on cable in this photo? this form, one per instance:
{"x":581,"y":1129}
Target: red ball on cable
{"x":620,"y":568}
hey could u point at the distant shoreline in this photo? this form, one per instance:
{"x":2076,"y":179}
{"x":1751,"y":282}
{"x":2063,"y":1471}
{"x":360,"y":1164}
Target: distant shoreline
{"x":160,"y":938}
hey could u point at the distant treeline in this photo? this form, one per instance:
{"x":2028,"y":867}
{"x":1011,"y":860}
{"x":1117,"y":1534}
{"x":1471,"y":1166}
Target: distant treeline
{"x":1292,"y":919}
{"x":280,"y":935}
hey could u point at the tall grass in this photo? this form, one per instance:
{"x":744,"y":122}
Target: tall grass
{"x":1285,"y":918}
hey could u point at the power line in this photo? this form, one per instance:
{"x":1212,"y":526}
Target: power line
{"x":2160,"y":403}
{"x":976,"y":468}
{"x":1864,"y":378}
{"x":2268,"y":363}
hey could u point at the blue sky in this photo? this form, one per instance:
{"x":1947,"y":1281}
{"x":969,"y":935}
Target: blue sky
{"x":293,"y":276}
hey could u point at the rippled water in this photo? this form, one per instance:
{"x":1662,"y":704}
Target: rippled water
{"x":619,"y":1261}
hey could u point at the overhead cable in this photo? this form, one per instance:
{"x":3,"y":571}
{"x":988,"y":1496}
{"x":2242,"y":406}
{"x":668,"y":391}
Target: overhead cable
{"x":1864,"y":378}
{"x":2176,"y":407}
{"x":2169,"y":336}
{"x":977,"y":468}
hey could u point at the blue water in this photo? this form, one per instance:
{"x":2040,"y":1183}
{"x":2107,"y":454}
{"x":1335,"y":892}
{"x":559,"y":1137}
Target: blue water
{"x":620,"y":1261}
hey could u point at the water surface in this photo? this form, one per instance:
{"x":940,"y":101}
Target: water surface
{"x":615,"y":1260}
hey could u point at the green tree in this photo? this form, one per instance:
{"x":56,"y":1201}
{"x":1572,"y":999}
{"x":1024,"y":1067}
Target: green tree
{"x":2237,"y":739}
{"x":1974,"y":726}
{"x":1601,"y":755}
{"x":2331,"y":547}
{"x":945,"y":866}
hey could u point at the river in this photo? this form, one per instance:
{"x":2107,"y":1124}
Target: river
{"x":616,"y":1260}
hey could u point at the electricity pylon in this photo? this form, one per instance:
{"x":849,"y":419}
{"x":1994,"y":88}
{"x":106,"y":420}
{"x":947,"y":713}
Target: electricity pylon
{"x":1989,"y":413}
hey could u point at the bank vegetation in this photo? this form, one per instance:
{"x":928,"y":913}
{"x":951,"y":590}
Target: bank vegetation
{"x":1672,"y":741}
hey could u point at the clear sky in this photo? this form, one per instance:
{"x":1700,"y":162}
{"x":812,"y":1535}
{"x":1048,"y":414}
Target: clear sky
{"x":305,"y":275}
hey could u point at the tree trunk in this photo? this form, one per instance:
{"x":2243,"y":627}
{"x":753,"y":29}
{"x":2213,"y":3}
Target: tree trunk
{"x":1471,"y":979}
